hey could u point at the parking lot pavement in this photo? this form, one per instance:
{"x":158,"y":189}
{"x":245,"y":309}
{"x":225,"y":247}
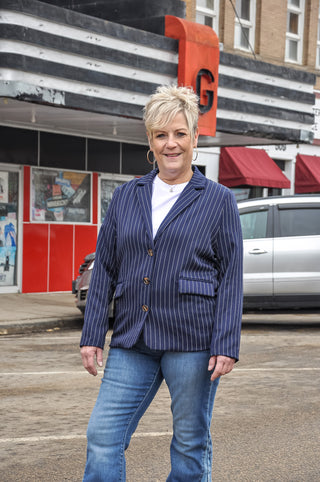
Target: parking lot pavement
{"x":265,"y":421}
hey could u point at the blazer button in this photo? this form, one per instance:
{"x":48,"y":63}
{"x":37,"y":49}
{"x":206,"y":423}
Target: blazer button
{"x":150,"y":252}
{"x":145,"y":308}
{"x":146,"y":281}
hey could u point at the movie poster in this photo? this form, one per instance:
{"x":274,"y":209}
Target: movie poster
{"x":107,"y":188}
{"x":9,"y":190}
{"x":4,"y":187}
{"x":8,"y":249}
{"x":61,"y":196}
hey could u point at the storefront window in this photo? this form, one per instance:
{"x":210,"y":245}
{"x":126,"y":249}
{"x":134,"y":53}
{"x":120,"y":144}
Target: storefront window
{"x":61,"y":196}
{"x":107,"y":187}
{"x":9,"y":193}
{"x":241,"y":193}
{"x":253,"y":192}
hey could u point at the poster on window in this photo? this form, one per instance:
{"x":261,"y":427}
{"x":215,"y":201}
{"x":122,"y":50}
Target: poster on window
{"x":3,"y":187}
{"x":61,"y":196}
{"x":107,"y":187}
{"x":8,"y":248}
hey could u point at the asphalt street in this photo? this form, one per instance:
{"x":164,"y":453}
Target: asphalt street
{"x":265,"y":425}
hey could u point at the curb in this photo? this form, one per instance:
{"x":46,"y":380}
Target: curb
{"x":40,"y":325}
{"x":293,"y":319}
{"x":76,"y":322}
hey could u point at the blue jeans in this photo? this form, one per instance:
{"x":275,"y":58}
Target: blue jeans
{"x":131,"y":379}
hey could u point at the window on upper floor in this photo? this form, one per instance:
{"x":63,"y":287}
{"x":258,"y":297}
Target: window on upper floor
{"x":294,"y":35}
{"x":245,"y":19}
{"x":318,"y":41}
{"x":207,"y":13}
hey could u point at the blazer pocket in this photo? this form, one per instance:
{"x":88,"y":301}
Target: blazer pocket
{"x":119,"y":290}
{"x":196,"y":287}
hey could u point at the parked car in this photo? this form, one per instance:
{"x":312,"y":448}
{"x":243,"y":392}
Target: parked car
{"x":80,"y":285}
{"x":281,"y":239}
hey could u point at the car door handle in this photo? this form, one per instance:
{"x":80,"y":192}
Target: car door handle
{"x":258,"y":251}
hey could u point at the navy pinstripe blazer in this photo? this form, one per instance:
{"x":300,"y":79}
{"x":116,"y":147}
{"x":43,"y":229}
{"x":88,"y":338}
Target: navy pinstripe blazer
{"x":183,"y":289}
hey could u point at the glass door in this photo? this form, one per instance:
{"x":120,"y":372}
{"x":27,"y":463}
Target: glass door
{"x":9,"y":202}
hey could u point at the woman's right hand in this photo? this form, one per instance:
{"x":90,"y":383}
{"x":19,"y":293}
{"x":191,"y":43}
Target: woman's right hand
{"x":90,"y":355}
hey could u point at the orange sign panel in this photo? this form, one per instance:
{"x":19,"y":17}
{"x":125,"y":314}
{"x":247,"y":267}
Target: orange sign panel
{"x":198,"y":66}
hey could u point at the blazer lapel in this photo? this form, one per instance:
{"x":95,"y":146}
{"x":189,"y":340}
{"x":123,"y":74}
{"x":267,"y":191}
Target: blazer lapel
{"x":144,"y":194}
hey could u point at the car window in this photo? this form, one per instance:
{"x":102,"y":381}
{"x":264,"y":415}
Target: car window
{"x":299,"y":222}
{"x":254,"y":224}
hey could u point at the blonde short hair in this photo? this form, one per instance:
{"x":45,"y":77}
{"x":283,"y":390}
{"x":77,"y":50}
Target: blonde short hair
{"x":166,"y":103}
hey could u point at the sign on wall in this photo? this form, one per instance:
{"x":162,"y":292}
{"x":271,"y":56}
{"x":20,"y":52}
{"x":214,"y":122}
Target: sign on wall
{"x":198,"y":66}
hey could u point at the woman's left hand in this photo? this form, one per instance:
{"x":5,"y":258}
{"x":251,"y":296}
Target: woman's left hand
{"x":221,"y":365}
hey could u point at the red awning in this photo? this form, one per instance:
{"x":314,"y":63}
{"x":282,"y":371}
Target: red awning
{"x":307,"y":174}
{"x":251,"y":167}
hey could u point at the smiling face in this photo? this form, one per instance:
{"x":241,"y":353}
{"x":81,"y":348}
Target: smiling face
{"x":172,"y":147}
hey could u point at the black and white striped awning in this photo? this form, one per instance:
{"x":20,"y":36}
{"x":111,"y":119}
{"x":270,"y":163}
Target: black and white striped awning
{"x":64,"y":71}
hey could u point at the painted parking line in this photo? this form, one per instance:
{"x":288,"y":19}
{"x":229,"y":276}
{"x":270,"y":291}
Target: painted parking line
{"x":53,"y":438}
{"x":234,"y":372}
{"x":69,"y":372}
{"x":48,"y":338}
{"x":276,"y":369}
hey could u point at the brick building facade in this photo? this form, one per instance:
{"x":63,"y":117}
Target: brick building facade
{"x":284,"y":33}
{"x":270,"y":28}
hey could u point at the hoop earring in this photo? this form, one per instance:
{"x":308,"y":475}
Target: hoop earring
{"x":193,"y":160}
{"x":148,"y":154}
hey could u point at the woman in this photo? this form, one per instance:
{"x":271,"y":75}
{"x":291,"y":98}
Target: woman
{"x":170,"y":250}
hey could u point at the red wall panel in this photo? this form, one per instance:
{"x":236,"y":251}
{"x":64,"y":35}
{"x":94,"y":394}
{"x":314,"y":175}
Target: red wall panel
{"x":35,"y":258}
{"x":60,"y":261}
{"x":26,"y":193}
{"x":84,"y":243}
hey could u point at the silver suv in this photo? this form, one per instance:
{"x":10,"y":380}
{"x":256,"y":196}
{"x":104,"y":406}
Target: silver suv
{"x":281,"y":237}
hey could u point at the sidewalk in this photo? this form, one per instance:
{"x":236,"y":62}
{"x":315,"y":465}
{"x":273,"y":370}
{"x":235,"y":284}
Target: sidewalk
{"x":31,"y":313}
{"x":27,"y":313}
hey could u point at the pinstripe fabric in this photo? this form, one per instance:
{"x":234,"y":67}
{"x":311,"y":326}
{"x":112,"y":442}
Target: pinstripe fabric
{"x":184,"y":288}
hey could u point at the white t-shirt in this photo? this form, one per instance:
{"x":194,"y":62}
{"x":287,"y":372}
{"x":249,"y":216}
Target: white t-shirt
{"x":163,"y":198}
